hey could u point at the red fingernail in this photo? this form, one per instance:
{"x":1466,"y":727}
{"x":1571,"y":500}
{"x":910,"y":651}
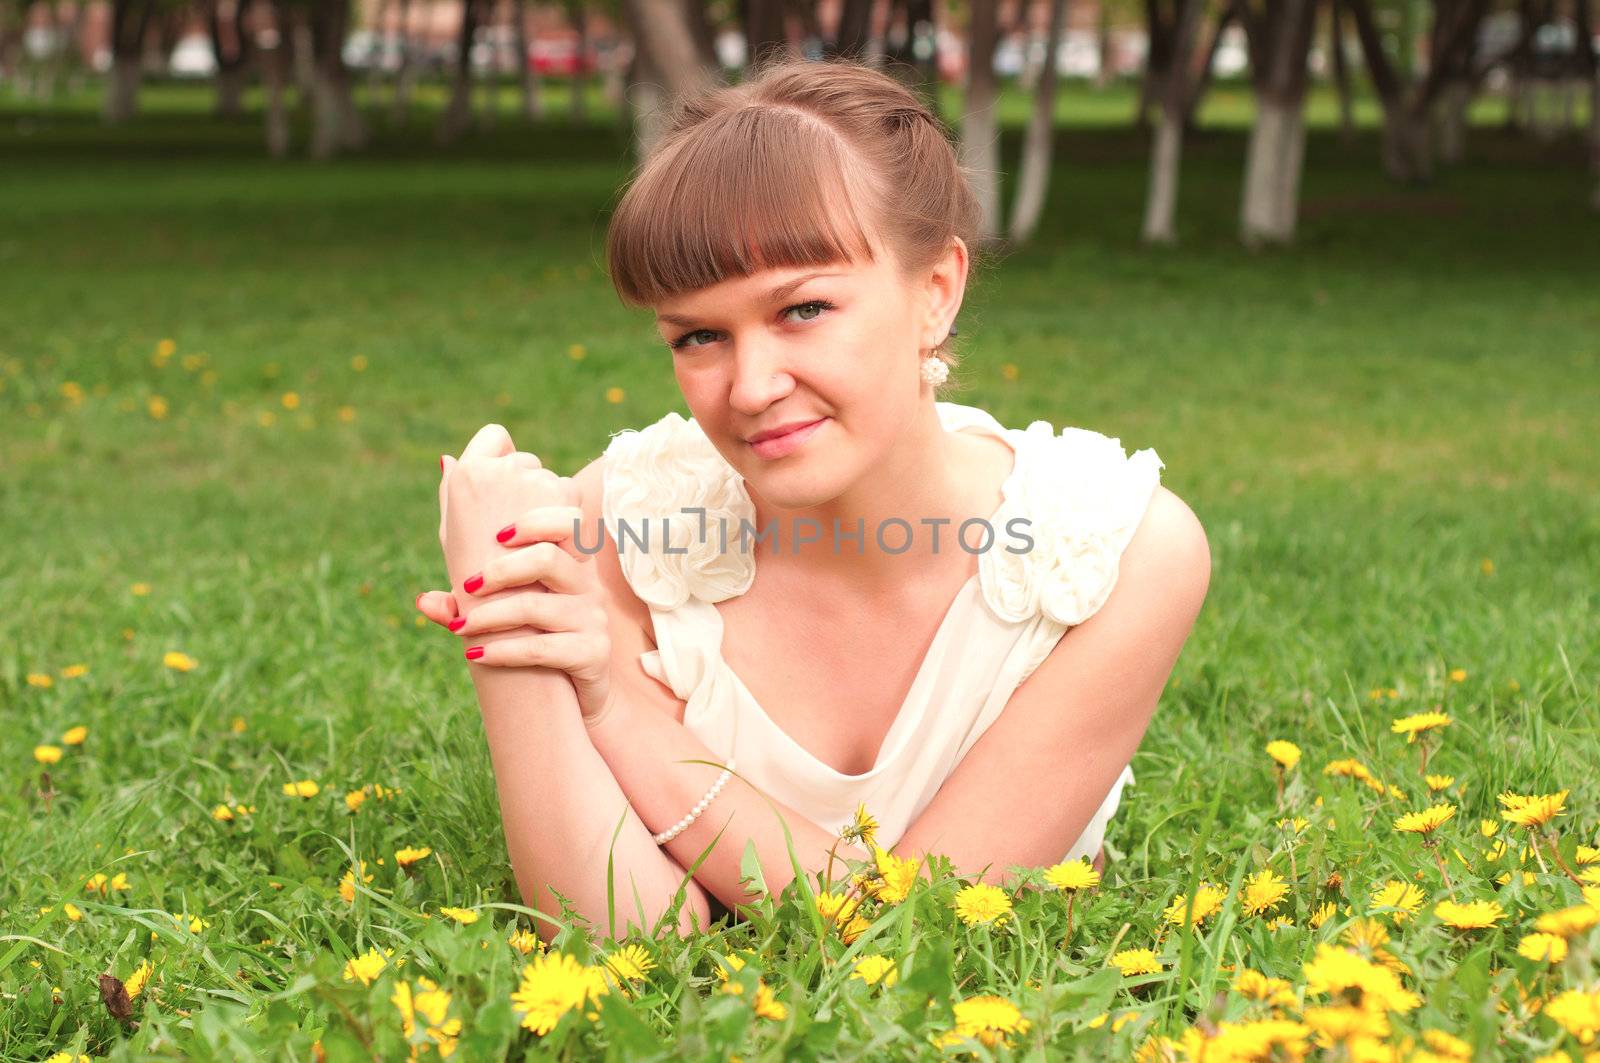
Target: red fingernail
{"x":419,"y":598}
{"x":441,"y":463}
{"x":474,"y":652}
{"x":505,"y":533}
{"x":472,"y":584}
{"x":458,"y":623}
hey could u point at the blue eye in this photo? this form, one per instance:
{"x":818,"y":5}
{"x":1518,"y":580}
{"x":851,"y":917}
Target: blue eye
{"x":821,"y":305}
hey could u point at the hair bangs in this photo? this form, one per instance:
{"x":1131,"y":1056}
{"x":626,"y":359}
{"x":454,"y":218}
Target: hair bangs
{"x":755,"y":188}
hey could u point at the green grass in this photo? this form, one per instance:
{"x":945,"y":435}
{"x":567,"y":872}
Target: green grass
{"x":1360,"y":422}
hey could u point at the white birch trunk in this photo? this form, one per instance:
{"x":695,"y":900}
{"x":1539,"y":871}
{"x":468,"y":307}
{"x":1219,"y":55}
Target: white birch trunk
{"x":122,"y":90}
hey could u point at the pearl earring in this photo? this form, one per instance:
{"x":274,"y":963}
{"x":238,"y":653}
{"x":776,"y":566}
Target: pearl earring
{"x":934,"y":371}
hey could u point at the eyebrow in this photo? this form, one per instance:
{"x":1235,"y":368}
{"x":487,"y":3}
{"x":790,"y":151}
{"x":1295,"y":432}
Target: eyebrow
{"x":781,"y":291}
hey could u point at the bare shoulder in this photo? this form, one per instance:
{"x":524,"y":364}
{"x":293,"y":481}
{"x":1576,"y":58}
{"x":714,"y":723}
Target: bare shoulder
{"x":1167,"y":563}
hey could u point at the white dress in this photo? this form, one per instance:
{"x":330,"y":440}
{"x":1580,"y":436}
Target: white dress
{"x":1084,"y":497}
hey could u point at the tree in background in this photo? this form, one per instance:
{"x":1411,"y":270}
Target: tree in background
{"x":230,"y":42}
{"x":1279,"y":36}
{"x":1166,"y":153}
{"x":130,"y":20}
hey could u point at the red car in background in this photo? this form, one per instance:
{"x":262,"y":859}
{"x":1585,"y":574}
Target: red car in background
{"x":558,"y":57}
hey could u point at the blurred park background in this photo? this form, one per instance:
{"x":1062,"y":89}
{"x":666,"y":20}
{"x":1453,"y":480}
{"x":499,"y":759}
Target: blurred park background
{"x":1337,"y":261}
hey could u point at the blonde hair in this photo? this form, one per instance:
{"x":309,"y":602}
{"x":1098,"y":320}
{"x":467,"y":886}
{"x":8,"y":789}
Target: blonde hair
{"x":791,"y":167}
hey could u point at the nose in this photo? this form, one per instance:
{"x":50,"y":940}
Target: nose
{"x":759,"y":378}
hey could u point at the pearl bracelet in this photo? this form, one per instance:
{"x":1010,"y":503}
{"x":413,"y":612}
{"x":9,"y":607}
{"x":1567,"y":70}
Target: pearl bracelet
{"x":700,"y":806}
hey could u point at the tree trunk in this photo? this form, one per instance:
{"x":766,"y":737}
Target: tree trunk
{"x":231,"y":44}
{"x":666,"y":66}
{"x":275,"y":66}
{"x":580,"y":80}
{"x":1205,"y":73}
{"x":1166,"y":156}
{"x":405,"y":77}
{"x":854,"y":31}
{"x":336,"y":124}
{"x":130,"y":19}
{"x":458,"y":112}
{"x":1157,"y":61}
{"x":980,"y":127}
{"x":1033,"y":180}
{"x":1589,"y":63}
{"x":1274,"y":158}
{"x":763,"y":29}
{"x":1450,"y":119}
{"x":532,"y":99}
{"x":1341,"y":73}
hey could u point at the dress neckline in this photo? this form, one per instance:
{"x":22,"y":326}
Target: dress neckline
{"x":903,"y":723}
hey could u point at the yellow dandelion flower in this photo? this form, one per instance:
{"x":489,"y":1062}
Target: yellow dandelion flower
{"x":1578,"y":1013}
{"x":1427,"y":820}
{"x":1532,"y":811}
{"x":140,"y":977}
{"x":266,"y":418}
{"x":875,"y":969}
{"x":767,"y":1006}
{"x":1403,"y":897}
{"x":1417,"y":723}
{"x":1257,"y":986}
{"x":138,"y":590}
{"x":1207,"y":902}
{"x":41,"y":679}
{"x":1365,"y":933}
{"x":1076,"y":874}
{"x":165,"y":349}
{"x":359,"y":363}
{"x":1285,"y":753}
{"x":1458,"y":675}
{"x":1321,"y":915}
{"x":1438,"y":782}
{"x":222,"y":813}
{"x":179,"y":661}
{"x":991,"y":1020}
{"x":72,"y":911}
{"x":1349,"y":977}
{"x":1586,"y":854}
{"x":1568,"y":922}
{"x":238,"y":726}
{"x":47,"y":754}
{"x":463,"y":916}
{"x":1473,"y":915}
{"x":74,"y":736}
{"x":983,"y":903}
{"x":1136,"y":961}
{"x":347,"y":885}
{"x":408,"y":856}
{"x":552,"y":985}
{"x":1548,"y":948}
{"x":576,"y":352}
{"x":1298,"y":824}
{"x":291,"y":400}
{"x":525,"y":941}
{"x":896,"y":875}
{"x":1258,"y":1039}
{"x":157,"y":407}
{"x":862,"y":827}
{"x":301,"y":788}
{"x":365,"y":968}
{"x":1010,"y":370}
{"x":615,"y":395}
{"x":353,"y":799}
{"x":1263,"y":891}
{"x":631,"y":962}
{"x":347,"y":414}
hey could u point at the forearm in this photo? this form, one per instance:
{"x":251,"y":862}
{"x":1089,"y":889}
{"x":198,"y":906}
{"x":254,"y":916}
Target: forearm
{"x":560,"y":805}
{"x":645,"y":751}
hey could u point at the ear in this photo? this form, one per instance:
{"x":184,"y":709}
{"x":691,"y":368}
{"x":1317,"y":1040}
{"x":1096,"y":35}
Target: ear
{"x":944,"y":285}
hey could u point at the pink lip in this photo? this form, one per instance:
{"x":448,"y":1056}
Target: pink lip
{"x":788,"y":442}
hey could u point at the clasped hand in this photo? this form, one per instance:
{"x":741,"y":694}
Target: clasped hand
{"x":522,"y":593}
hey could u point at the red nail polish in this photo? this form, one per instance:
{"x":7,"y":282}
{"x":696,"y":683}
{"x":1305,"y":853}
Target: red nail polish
{"x":474,"y":652}
{"x":505,"y":533}
{"x":472,"y":584}
{"x":458,"y":623}
{"x":419,"y":598}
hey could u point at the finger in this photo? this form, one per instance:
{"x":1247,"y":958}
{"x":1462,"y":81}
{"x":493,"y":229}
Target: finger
{"x":491,"y":441}
{"x":540,"y":610}
{"x":564,"y":650}
{"x":543,"y":563}
{"x":438,"y":606}
{"x":560,"y":525}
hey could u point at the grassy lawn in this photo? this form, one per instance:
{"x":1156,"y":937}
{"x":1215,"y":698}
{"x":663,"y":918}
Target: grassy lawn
{"x":1388,"y":432}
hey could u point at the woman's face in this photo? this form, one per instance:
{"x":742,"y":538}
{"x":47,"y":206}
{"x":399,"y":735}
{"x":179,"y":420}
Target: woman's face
{"x":830,"y":350}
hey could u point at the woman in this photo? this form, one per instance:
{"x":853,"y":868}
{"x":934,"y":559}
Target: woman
{"x":780,"y":633}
